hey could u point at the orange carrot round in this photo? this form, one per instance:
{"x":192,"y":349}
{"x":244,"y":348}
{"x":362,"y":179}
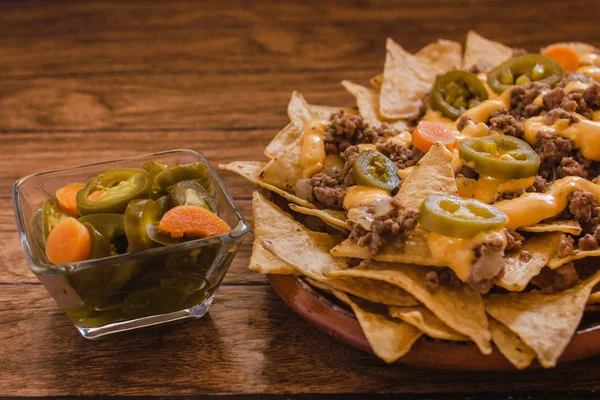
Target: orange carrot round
{"x":192,"y":221}
{"x":96,"y":194}
{"x":68,"y":242}
{"x":66,"y":197}
{"x":427,"y":133}
{"x":565,"y":56}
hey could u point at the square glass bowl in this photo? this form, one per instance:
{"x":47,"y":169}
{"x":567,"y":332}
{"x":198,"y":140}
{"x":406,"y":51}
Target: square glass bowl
{"x":133,"y":290}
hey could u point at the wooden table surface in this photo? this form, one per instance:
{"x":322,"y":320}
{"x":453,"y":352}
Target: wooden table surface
{"x":88,"y":81}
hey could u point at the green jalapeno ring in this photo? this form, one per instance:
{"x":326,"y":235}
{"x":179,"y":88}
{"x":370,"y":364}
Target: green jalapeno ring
{"x":372,"y":168}
{"x":121,"y":184}
{"x":154,"y":168}
{"x":457,"y":91}
{"x":100,"y":243}
{"x":138,"y":216}
{"x":457,"y":217}
{"x":545,"y":69}
{"x":504,"y":157}
{"x":190,"y":192}
{"x":185,"y":172}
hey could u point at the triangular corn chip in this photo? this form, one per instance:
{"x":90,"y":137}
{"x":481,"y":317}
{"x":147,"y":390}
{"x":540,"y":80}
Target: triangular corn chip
{"x":333,"y":218}
{"x":414,"y":250}
{"x":479,"y":50}
{"x":521,"y":267}
{"x":284,"y":170}
{"x":557,"y":261}
{"x":424,"y":320}
{"x":545,"y":323}
{"x":594,"y":298}
{"x":265,"y":262}
{"x":284,"y":138}
{"x":433,"y":174}
{"x":460,"y":308}
{"x":299,"y":110}
{"x":251,"y":171}
{"x":510,"y":345}
{"x":406,"y":80}
{"x":566,"y":226}
{"x":446,"y":54}
{"x":367,"y":101}
{"x":390,"y":339}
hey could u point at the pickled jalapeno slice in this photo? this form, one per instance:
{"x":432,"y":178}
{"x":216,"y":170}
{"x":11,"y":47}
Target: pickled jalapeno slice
{"x":196,"y":171}
{"x":524,"y":69}
{"x":458,"y":217}
{"x":502,"y":156}
{"x":372,"y":168}
{"x":138,"y":216}
{"x":456,"y":92}
{"x":191,"y":193}
{"x":121,"y":185}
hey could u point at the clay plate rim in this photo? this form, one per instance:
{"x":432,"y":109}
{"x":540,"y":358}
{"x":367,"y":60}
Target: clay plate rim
{"x":335,"y":321}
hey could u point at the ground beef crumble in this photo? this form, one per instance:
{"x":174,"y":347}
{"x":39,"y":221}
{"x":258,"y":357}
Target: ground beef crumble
{"x":441,"y":277}
{"x":503,"y":121}
{"x":552,"y":281}
{"x":522,"y":97}
{"x":344,"y":132}
{"x":400,"y":155}
{"x":514,"y":241}
{"x":390,"y":228}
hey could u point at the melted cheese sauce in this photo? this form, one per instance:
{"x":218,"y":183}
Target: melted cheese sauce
{"x":531,"y":208}
{"x":576,"y":86}
{"x":593,"y":71}
{"x":457,"y":253}
{"x":487,"y":188}
{"x":483,"y":111}
{"x":357,"y":196}
{"x":436,"y":116}
{"x":585,"y":134}
{"x":312,"y":155}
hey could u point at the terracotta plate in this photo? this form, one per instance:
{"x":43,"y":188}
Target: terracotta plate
{"x":335,"y":320}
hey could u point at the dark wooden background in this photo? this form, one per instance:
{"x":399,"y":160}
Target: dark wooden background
{"x":88,"y":81}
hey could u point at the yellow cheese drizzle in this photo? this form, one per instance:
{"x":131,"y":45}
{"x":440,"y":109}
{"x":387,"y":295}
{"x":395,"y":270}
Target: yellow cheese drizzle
{"x":312,"y":155}
{"x":363,"y":195}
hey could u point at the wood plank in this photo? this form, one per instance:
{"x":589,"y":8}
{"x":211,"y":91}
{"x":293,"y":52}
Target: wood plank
{"x":249,"y":343}
{"x":181,"y":36}
{"x":14,"y":268}
{"x":185,"y":101}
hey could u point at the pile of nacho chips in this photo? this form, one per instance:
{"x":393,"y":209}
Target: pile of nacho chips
{"x":390,"y":293}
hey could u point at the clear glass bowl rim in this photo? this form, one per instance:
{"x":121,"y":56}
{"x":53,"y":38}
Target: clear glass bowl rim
{"x":229,"y":238}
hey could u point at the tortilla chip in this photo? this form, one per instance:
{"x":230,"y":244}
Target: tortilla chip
{"x":460,"y":308}
{"x":325,"y":112}
{"x":519,"y":269}
{"x":299,"y":110}
{"x":283,"y":139}
{"x":433,"y":174}
{"x":376,"y":81}
{"x":511,"y":346}
{"x":579,"y":47}
{"x":592,"y":308}
{"x":367,"y":101}
{"x":284,"y":170}
{"x":479,"y":50}
{"x":545,"y":323}
{"x":390,"y":339}
{"x":368,"y":289}
{"x":251,"y":171}
{"x":594,"y":298}
{"x":264,"y":262}
{"x":446,"y":54}
{"x":566,"y":226}
{"x":406,"y":80}
{"x":424,"y":320}
{"x":556,"y":261}
{"x":414,"y":250}
{"x":335,"y":219}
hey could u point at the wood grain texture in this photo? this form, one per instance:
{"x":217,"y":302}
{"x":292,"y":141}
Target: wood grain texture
{"x":82,"y":82}
{"x":249,"y":343}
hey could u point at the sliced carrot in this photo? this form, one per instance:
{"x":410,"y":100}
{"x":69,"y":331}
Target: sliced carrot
{"x":69,"y":241}
{"x":95,"y":195}
{"x":565,"y":56}
{"x":66,"y":197}
{"x":192,"y":221}
{"x":427,"y":133}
